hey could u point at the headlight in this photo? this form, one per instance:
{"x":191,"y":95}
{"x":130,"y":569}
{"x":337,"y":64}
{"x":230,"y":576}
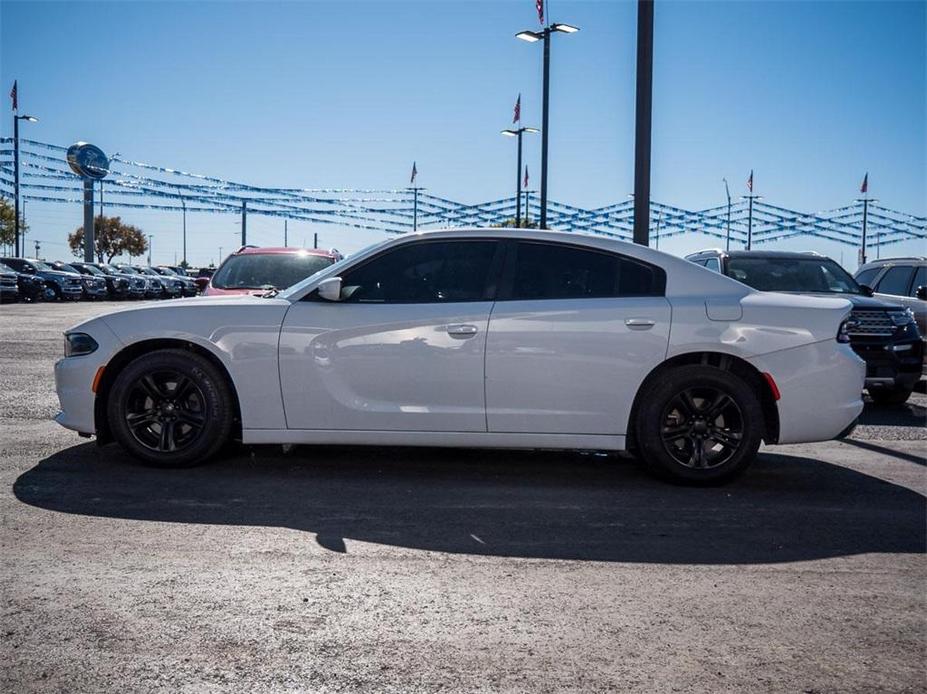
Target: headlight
{"x":901,"y":316}
{"x":77,"y":344}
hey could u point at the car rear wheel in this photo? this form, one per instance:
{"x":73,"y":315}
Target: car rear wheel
{"x":698,"y":425}
{"x":170,"y":408}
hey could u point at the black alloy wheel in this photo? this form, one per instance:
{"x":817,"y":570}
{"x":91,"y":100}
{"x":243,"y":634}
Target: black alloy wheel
{"x":171,"y":408}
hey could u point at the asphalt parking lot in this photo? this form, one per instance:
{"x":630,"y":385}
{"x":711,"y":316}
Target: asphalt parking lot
{"x":395,"y":570}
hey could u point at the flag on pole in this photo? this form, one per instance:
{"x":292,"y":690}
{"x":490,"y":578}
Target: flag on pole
{"x":414,"y":173}
{"x":13,"y":95}
{"x":526,"y":177}
{"x":750,"y":181}
{"x":864,"y":188}
{"x":540,"y":6}
{"x":516,"y":118}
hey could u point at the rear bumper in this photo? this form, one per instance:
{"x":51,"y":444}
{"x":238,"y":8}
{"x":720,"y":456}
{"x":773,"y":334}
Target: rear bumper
{"x":821,"y":388}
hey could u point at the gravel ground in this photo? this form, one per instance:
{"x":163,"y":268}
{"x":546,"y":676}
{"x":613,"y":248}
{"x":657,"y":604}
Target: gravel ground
{"x":395,"y":570}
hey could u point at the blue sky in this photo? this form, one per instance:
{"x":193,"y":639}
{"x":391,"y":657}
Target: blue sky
{"x":810,"y":95}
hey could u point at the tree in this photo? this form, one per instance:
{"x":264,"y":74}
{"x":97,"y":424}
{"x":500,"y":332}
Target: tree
{"x":111,"y":238}
{"x":525,"y":224}
{"x":7,"y":225}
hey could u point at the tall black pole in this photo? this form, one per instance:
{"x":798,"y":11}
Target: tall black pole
{"x":88,"y":221}
{"x":521,"y":132}
{"x":285,"y":244}
{"x":16,"y":182}
{"x":750,"y":222}
{"x":727,"y":191}
{"x":862,"y":250}
{"x":244,"y":222}
{"x":415,"y":210}
{"x":183,"y":204}
{"x":643,"y":117}
{"x":545,"y":127}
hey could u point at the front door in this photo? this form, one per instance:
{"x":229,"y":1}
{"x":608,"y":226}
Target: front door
{"x":402,"y":351}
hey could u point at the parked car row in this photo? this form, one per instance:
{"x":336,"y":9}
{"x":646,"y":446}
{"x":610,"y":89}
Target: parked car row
{"x":30,"y":279}
{"x":883,"y":327}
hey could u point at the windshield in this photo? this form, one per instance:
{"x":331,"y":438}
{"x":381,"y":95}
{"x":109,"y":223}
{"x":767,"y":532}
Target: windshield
{"x":39,"y":265}
{"x":806,"y":275}
{"x":127,"y":269}
{"x":6,"y":268}
{"x":110,"y":270}
{"x":64,"y":267}
{"x":267,"y":270}
{"x":90,"y":269}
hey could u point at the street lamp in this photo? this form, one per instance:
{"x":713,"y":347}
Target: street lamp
{"x":149,"y":248}
{"x":183,"y":205}
{"x":533,"y":37}
{"x":518,"y":133}
{"x":16,"y":119}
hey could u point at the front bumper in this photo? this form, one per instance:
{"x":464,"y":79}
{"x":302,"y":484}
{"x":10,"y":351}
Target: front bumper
{"x":894,"y":364}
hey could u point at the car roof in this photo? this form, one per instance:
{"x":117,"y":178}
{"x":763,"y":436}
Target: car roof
{"x":757,"y":254}
{"x":282,"y":250}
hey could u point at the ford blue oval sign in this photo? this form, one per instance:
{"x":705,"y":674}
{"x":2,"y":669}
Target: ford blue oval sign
{"x":87,"y":161}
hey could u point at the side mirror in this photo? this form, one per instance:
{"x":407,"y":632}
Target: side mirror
{"x":330,"y":289}
{"x":867,"y":290}
{"x":921,"y":293}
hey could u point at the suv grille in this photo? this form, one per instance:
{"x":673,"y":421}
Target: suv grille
{"x":871,"y":323}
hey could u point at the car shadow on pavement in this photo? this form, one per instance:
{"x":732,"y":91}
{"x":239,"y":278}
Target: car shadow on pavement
{"x":500,"y":503}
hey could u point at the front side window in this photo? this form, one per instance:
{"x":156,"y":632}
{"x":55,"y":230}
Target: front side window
{"x":549,"y":271}
{"x":426,"y":272}
{"x":713,"y":264}
{"x":896,"y":280}
{"x":920,"y":279}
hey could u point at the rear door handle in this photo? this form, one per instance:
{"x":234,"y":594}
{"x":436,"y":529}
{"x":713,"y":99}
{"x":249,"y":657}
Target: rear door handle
{"x":461,"y":330}
{"x":640,"y":323}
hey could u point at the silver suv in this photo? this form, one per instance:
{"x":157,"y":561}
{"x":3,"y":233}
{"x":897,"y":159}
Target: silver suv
{"x":902,"y":280}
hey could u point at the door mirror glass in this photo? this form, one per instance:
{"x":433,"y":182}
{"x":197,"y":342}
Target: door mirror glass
{"x":922,"y":293}
{"x":866,"y":290}
{"x":330,"y":289}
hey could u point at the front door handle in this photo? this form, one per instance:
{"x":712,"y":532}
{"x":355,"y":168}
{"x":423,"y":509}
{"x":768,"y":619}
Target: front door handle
{"x":640,"y":323}
{"x":462,"y":330}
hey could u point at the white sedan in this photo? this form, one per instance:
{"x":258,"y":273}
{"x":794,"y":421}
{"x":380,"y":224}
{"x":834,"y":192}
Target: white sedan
{"x":479,"y":337}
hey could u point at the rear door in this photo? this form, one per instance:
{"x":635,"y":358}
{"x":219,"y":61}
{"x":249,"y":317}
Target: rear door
{"x":572,"y":335}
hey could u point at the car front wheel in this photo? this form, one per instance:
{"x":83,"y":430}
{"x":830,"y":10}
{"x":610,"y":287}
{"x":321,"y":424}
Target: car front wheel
{"x":699,"y":425}
{"x":170,"y":408}
{"x":890,"y":396}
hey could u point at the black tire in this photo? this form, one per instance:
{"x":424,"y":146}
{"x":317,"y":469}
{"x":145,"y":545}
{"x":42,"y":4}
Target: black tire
{"x":57,"y":292}
{"x":890,"y":396}
{"x":698,"y":425}
{"x":171,"y":408}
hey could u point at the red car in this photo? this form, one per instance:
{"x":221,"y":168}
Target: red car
{"x":252,"y":270}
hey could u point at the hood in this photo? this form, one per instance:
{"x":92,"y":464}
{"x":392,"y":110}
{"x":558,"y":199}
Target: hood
{"x":60,"y":274}
{"x":859,"y":300}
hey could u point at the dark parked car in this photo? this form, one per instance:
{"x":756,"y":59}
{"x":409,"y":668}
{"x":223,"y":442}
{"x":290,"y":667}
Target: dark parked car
{"x":94,"y":287}
{"x":171,"y":287}
{"x":154,"y":288}
{"x":117,"y":287}
{"x":31,"y":287}
{"x":9,"y":285}
{"x":901,"y":280}
{"x":883,"y":333}
{"x":202,"y":277}
{"x":138,"y":286}
{"x":188,"y":285}
{"x":58,"y":285}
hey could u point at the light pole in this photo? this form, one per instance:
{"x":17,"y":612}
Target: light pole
{"x":862,"y":251}
{"x":285,"y":244}
{"x":727,"y":190}
{"x":643,"y":122}
{"x":517,"y":133}
{"x":149,"y":248}
{"x":183,"y":207}
{"x":532,"y":37}
{"x":16,"y":119}
{"x":244,"y":223}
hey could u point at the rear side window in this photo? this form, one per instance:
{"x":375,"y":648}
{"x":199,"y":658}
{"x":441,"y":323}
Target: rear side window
{"x":423,"y":273}
{"x":896,"y":280}
{"x":920,"y":280}
{"x":549,"y":271}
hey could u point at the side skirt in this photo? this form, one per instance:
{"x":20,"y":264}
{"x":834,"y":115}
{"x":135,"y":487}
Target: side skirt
{"x":449,"y":439}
